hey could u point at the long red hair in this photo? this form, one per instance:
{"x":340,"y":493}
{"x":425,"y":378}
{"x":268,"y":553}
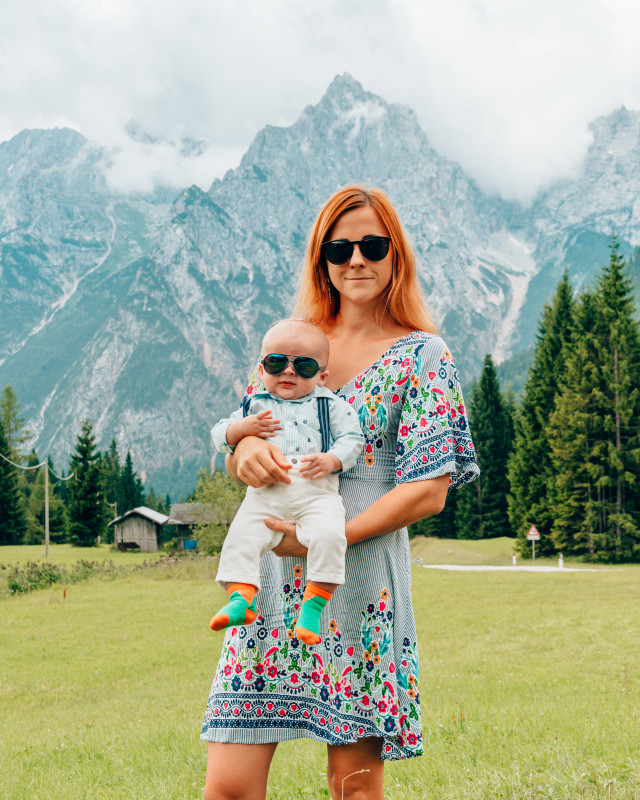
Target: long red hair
{"x":402,"y":302}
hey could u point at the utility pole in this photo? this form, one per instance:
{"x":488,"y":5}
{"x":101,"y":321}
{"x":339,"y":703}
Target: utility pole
{"x":44,"y":464}
{"x":46,"y":511}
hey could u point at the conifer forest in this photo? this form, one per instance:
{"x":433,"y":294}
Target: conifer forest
{"x":565,"y":456}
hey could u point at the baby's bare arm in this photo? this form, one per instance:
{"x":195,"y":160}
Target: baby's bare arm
{"x":260,"y":424}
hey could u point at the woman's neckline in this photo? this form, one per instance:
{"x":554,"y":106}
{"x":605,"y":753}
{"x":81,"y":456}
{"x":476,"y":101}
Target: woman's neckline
{"x":372,"y":365}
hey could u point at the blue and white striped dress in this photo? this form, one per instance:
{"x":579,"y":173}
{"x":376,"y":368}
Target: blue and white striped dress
{"x":363,"y":678}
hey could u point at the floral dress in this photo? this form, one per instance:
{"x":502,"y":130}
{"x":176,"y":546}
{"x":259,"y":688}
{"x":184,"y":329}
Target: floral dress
{"x":363,"y":678}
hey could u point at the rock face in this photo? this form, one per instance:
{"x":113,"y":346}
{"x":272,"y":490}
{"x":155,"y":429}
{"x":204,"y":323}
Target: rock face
{"x":146,"y":316}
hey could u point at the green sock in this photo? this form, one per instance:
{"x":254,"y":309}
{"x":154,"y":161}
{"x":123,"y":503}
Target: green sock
{"x":236,"y":612}
{"x":308,"y":625}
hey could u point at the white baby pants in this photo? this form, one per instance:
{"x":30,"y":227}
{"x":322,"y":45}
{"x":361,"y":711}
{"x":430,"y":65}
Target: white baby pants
{"x":317,"y":510}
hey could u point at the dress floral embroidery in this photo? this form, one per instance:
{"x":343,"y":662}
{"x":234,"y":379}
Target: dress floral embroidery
{"x":363,"y":678}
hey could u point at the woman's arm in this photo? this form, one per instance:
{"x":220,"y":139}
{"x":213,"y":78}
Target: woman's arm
{"x":404,"y":504}
{"x":257,"y":463}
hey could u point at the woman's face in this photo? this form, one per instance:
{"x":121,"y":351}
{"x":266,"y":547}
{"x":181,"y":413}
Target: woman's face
{"x":359,"y":281}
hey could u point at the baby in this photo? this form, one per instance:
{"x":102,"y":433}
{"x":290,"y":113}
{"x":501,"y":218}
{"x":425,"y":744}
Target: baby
{"x":320,"y":436}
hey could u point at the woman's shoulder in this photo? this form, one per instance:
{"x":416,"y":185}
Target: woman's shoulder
{"x":422,"y":339}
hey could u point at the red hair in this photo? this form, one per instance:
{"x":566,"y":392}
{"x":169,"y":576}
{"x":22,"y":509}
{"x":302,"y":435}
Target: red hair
{"x":402,"y":300}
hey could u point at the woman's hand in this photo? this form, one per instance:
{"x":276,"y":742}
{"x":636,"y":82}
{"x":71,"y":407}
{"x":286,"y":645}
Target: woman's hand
{"x":289,"y":546}
{"x":257,"y":463}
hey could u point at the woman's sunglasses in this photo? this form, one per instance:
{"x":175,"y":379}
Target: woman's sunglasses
{"x":373,"y":248}
{"x":276,"y":363}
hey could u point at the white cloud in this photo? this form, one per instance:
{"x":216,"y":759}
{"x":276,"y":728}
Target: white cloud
{"x":510,"y":87}
{"x":506,"y":88}
{"x":141,"y":167}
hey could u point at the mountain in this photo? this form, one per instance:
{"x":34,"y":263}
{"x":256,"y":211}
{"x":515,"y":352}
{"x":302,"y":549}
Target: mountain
{"x":146,"y":316}
{"x":59,"y":223}
{"x":571,"y":222}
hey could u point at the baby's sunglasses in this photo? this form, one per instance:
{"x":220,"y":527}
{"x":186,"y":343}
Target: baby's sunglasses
{"x":339,"y":251}
{"x":276,"y":363}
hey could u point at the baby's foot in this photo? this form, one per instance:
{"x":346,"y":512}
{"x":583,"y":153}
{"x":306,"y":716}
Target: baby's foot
{"x":236,"y":612}
{"x":308,"y":627}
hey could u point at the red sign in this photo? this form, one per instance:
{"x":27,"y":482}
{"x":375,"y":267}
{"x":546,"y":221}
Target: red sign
{"x":533,"y":533}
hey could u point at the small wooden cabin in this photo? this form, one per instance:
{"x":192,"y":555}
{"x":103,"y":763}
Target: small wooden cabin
{"x":138,"y":529}
{"x":187,"y":515}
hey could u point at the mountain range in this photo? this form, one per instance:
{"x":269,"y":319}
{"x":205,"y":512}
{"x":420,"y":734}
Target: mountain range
{"x":144,"y":312}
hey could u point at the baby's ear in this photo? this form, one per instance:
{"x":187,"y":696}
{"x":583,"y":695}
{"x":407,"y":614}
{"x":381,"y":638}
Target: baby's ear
{"x":323,"y":377}
{"x":260,"y":370}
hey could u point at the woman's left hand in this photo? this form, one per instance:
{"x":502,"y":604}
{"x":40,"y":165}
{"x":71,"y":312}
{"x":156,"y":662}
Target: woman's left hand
{"x":289,"y":546}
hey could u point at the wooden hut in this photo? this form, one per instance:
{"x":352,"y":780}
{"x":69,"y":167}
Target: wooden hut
{"x":187,"y":515}
{"x":138,"y":529}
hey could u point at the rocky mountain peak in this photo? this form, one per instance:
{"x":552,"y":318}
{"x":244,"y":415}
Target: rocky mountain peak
{"x":345,"y":93}
{"x":145,"y":316}
{"x":42,"y":144}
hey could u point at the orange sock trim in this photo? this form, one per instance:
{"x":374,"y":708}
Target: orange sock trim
{"x":247,"y":590}
{"x":311,"y":590}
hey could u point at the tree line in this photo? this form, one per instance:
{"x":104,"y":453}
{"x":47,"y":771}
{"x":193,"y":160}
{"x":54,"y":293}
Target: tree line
{"x":566,"y":457}
{"x":97,"y":487}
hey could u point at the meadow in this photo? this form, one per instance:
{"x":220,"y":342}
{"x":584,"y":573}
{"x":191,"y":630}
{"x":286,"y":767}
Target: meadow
{"x":68,"y":555}
{"x":530,"y":687}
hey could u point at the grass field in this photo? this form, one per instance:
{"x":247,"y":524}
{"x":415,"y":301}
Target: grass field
{"x":486,"y":552}
{"x":530,"y":687}
{"x":68,"y":555}
{"x":489,"y":552}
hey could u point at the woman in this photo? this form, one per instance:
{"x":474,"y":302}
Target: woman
{"x":358,"y":690}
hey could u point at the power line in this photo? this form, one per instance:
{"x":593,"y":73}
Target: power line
{"x":46,"y":492}
{"x":21,"y":466}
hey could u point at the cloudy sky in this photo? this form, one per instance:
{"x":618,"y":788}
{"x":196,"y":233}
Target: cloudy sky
{"x":505,"y":87}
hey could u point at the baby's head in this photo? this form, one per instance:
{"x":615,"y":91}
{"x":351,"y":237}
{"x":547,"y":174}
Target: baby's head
{"x":293,"y":339}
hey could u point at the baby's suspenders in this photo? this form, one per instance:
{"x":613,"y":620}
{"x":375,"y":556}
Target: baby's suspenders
{"x":323,"y":415}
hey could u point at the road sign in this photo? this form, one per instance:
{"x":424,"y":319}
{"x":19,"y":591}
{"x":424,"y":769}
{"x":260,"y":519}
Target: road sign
{"x":533,"y":533}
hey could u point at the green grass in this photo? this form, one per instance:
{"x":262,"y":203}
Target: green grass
{"x":480,"y":552}
{"x":68,"y":555}
{"x":495,"y":552}
{"x":530,"y":687}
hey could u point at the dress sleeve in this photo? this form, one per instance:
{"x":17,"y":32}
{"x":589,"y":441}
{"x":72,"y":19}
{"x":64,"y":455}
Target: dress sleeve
{"x":255,"y":382}
{"x":433,"y":434}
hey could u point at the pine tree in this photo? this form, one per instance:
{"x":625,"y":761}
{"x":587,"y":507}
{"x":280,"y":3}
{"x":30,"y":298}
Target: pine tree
{"x":87,"y":512}
{"x":36,"y":514}
{"x":61,"y":488}
{"x":594,"y":431}
{"x":131,"y":490}
{"x":26,"y":482}
{"x":481,"y":508}
{"x":111,"y":469}
{"x":13,"y":423}
{"x":154,"y":502}
{"x":531,"y":471}
{"x":620,"y":337}
{"x":574,"y":428}
{"x":12,"y":516}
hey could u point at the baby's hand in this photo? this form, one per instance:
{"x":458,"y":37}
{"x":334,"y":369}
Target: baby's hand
{"x":261,"y":424}
{"x":317,"y":465}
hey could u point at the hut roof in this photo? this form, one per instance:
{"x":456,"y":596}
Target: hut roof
{"x":143,"y":511}
{"x":192,"y":513}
